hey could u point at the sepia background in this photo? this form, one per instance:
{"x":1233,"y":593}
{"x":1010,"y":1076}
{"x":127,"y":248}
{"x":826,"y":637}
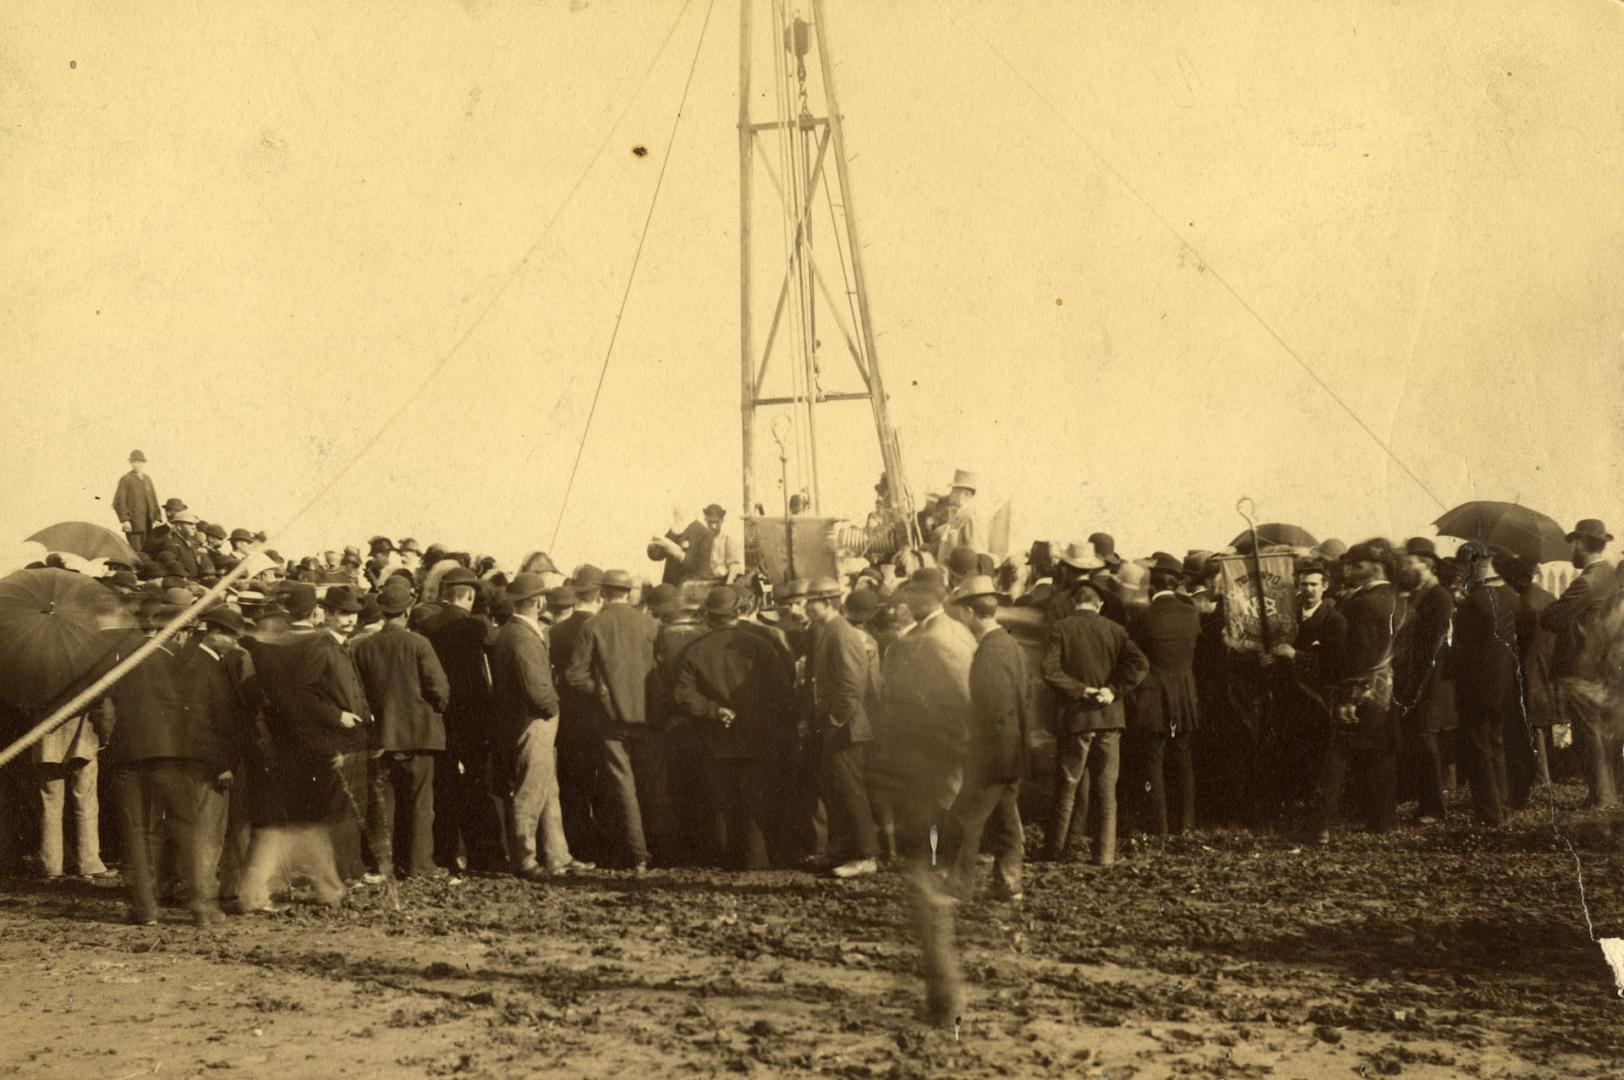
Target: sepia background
{"x":1107,"y":245}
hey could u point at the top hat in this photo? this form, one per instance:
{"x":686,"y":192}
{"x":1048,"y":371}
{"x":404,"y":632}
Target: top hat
{"x":1592,"y":528}
{"x":963,"y":478}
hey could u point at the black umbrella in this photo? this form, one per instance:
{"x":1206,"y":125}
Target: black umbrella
{"x":1507,"y":526}
{"x":51,"y":638}
{"x":1274,"y":532}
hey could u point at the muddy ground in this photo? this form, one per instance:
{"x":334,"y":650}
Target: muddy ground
{"x":1438,"y":951}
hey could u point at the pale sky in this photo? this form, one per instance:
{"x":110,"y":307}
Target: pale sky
{"x":238,"y":236}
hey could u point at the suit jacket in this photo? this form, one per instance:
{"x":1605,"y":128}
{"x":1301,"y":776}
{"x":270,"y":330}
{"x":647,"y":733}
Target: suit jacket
{"x":845,"y":682}
{"x":1485,"y":656}
{"x":136,"y":501}
{"x":459,"y":638}
{"x":730,"y":667}
{"x":613,"y":662}
{"x":669,"y":646}
{"x":1574,"y":613}
{"x":1537,"y":645}
{"x":1000,"y":708}
{"x":1089,"y":650}
{"x":215,"y":730}
{"x":406,"y":688}
{"x":1367,"y":663}
{"x":521,"y":679}
{"x":145,"y":711}
{"x":1167,"y":632}
{"x":1420,"y":655}
{"x":1320,"y":638}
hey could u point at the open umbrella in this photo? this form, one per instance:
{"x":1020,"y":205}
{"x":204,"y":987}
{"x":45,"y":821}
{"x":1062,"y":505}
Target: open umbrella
{"x":87,"y":541}
{"x":51,"y":639}
{"x":1504,"y":525}
{"x":1274,"y":533}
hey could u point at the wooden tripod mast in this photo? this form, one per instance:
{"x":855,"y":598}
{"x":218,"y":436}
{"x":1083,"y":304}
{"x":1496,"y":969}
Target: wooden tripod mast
{"x":796,"y":146}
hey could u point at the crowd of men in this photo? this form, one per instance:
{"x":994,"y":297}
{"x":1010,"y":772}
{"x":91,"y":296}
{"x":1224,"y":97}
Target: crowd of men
{"x":426,"y":713}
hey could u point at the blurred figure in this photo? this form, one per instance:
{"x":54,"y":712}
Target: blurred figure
{"x":65,"y":764}
{"x":1166,"y":713}
{"x":1423,"y":699}
{"x":1528,"y":744}
{"x":1572,"y":618}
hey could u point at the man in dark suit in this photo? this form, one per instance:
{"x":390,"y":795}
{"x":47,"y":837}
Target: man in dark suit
{"x":1166,"y":713}
{"x":219,"y":739}
{"x":1364,"y":695}
{"x":613,"y":664}
{"x":527,"y":727}
{"x":1306,"y":697}
{"x":1091,"y":664}
{"x":580,"y":748}
{"x":467,"y":824}
{"x":407,"y":691}
{"x":136,"y":502}
{"x":316,"y":714}
{"x":693,"y":802}
{"x":1000,"y":725}
{"x":1423,"y":700}
{"x":155,"y":780}
{"x":1572,"y":618}
{"x":737,"y":688}
{"x":1484,"y":667}
{"x":845,"y":690}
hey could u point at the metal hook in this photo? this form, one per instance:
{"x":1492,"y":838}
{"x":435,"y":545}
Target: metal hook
{"x":1247,"y":509}
{"x":779,"y":435}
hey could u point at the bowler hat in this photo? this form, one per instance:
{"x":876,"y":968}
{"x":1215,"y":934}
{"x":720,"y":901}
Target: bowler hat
{"x":1592,"y":528}
{"x":379,"y":544}
{"x":714,"y":510}
{"x":972,"y":587}
{"x":586,"y":576}
{"x":173,"y":505}
{"x":962,"y":561}
{"x":178,"y":597}
{"x":1310,"y":565}
{"x":928,"y":581}
{"x":1163,"y":561}
{"x":408,"y":544}
{"x":560,"y":597}
{"x":525,"y":586}
{"x":183,"y":517}
{"x":458,"y":575}
{"x":823,"y":588}
{"x":963,"y":478}
{"x":1421,"y":547}
{"x":123,"y":580}
{"x":617,"y":580}
{"x":1368,"y":551}
{"x":1080,"y":557}
{"x":1091,"y":586}
{"x":221,"y":617}
{"x":242,"y":534}
{"x":1195,"y":563}
{"x":299,"y":598}
{"x":215,"y":532}
{"x":722,"y":600}
{"x":341,"y":599}
{"x":1104,"y":545}
{"x":666,"y":598}
{"x":792,"y":590}
{"x":395,"y":597}
{"x":136,"y":455}
{"x":861,"y":605}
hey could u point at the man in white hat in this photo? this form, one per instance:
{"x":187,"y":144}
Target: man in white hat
{"x":963,"y":529}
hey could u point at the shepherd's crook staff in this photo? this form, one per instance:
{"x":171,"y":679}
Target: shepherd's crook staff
{"x":1249,"y":511}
